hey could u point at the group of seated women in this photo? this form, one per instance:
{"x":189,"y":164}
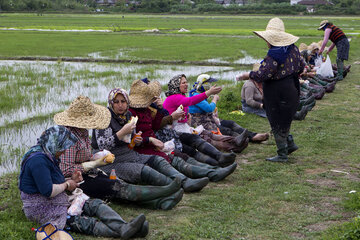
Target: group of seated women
{"x":160,"y":150}
{"x":313,"y":86}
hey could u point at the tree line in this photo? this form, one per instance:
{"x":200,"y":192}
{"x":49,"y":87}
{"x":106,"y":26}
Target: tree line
{"x":180,"y":6}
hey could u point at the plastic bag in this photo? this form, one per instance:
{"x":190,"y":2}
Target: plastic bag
{"x":78,"y":198}
{"x":169,"y":146}
{"x":318,"y":61}
{"x":325,"y":69}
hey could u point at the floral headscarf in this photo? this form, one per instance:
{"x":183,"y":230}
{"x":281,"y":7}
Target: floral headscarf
{"x":174,"y":85}
{"x":112,"y":95}
{"x":53,"y":140}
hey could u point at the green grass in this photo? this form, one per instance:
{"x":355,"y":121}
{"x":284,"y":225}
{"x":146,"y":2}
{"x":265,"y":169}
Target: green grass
{"x":303,"y":199}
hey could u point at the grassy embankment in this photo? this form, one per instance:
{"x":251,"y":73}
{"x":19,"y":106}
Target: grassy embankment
{"x":261,"y":200}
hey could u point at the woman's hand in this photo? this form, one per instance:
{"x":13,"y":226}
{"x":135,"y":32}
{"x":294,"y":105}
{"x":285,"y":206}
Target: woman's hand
{"x":138,"y":140}
{"x":126,"y":129}
{"x":213,"y":90}
{"x":242,"y":76}
{"x":77,"y":176}
{"x":157,"y":143}
{"x":216,"y":98}
{"x":71,"y":185}
{"x":176,"y":115}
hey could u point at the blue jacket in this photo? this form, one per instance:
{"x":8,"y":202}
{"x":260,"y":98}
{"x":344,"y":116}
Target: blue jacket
{"x":202,"y":107}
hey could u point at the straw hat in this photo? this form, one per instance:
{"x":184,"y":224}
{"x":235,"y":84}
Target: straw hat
{"x":322,"y":24}
{"x":49,"y":231}
{"x":256,"y":67}
{"x":313,"y":46}
{"x":82,"y":113}
{"x":142,"y":94}
{"x":302,"y":47}
{"x":275,"y":34}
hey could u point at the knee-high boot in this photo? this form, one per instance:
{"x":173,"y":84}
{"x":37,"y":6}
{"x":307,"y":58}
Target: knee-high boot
{"x":188,"y":184}
{"x":281,"y":143}
{"x":110,"y":225}
{"x":164,"y":203}
{"x":193,"y":167}
{"x":224,"y":159}
{"x":291,"y":146}
{"x":192,"y":152}
{"x":152,"y":177}
{"x":136,"y":193}
{"x":340,"y":66}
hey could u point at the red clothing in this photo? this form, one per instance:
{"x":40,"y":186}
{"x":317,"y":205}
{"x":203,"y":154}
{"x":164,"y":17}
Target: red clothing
{"x":147,"y":125}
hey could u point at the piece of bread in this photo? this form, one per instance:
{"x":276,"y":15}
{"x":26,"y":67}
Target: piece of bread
{"x":134,"y":120}
{"x":109,"y":158}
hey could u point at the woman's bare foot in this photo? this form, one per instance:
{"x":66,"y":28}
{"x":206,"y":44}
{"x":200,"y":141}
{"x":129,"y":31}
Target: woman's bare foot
{"x":260,"y":137}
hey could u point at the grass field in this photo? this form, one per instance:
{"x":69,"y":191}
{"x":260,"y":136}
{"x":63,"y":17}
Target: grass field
{"x":307,"y":198}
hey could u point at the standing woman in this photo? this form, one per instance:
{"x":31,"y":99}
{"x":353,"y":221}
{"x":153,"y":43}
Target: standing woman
{"x":339,"y":39}
{"x":279,"y":73}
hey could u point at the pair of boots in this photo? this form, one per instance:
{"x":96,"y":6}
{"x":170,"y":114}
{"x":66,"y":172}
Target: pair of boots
{"x":285,"y":145}
{"x":100,"y":220}
{"x":207,"y":149}
{"x":165,"y":196}
{"x":162,"y":167}
{"x":340,"y":70}
{"x":195,"y":169}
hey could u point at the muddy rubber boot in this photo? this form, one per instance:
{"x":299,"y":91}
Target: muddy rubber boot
{"x":224,"y":159}
{"x":300,"y":115}
{"x":144,"y":230}
{"x":340,"y":66}
{"x":201,"y":157}
{"x":137,"y":193}
{"x":188,"y":184}
{"x":291,"y":146}
{"x":241,"y":138}
{"x":281,"y":143}
{"x":196,"y":171}
{"x":153,"y":177}
{"x":165,"y":203}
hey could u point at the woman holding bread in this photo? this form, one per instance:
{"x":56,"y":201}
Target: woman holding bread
{"x":82,"y":115}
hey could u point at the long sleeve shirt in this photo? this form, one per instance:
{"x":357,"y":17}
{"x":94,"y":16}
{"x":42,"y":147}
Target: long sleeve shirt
{"x":202,"y":107}
{"x":251,"y":94}
{"x":172,"y":102}
{"x":81,"y":152}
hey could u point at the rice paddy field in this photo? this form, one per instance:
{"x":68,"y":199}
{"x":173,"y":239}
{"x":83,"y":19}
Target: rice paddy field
{"x":46,"y":61}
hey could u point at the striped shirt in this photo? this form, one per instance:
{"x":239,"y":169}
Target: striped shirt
{"x":336,"y":34}
{"x":71,"y":160}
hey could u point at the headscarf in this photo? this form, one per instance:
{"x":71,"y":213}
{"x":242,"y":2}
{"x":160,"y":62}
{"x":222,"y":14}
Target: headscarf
{"x":174,"y":85}
{"x":279,"y":54}
{"x":53,"y":140}
{"x":122,"y":119}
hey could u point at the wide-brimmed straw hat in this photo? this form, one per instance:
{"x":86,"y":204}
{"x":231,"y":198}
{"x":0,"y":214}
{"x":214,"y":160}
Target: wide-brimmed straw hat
{"x":303,"y":47}
{"x":322,"y":24}
{"x":142,"y":94}
{"x":82,"y":113}
{"x":313,"y":46}
{"x":49,"y":231}
{"x":275,"y":34}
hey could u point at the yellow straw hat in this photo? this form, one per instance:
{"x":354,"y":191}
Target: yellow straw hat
{"x":142,"y":94}
{"x":49,"y":231}
{"x":275,"y":34}
{"x":82,"y":113}
{"x":322,"y":24}
{"x":313,"y":46}
{"x":303,"y":47}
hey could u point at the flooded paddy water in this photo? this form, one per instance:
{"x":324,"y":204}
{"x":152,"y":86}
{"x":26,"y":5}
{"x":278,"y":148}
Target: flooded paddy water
{"x":30,"y":89}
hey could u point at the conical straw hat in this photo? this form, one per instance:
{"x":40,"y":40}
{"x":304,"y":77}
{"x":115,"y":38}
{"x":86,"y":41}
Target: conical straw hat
{"x":275,"y":34}
{"x":322,"y":24}
{"x":82,"y":113}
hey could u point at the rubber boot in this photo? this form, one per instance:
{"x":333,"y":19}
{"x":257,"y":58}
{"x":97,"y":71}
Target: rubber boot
{"x":201,"y":157}
{"x":165,"y":203}
{"x":241,"y":138}
{"x":144,"y":230}
{"x":291,"y":146}
{"x":188,"y":184}
{"x":197,"y":171}
{"x":300,"y":115}
{"x":110,"y":225}
{"x":340,"y":66}
{"x":137,"y":193}
{"x":224,"y":159}
{"x":307,"y":101}
{"x":152,"y":177}
{"x":281,"y":143}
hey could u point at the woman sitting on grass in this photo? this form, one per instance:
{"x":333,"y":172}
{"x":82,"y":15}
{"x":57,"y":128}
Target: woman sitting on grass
{"x":81,"y":115}
{"x":203,"y":114}
{"x":43,"y":192}
{"x":142,"y":94}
